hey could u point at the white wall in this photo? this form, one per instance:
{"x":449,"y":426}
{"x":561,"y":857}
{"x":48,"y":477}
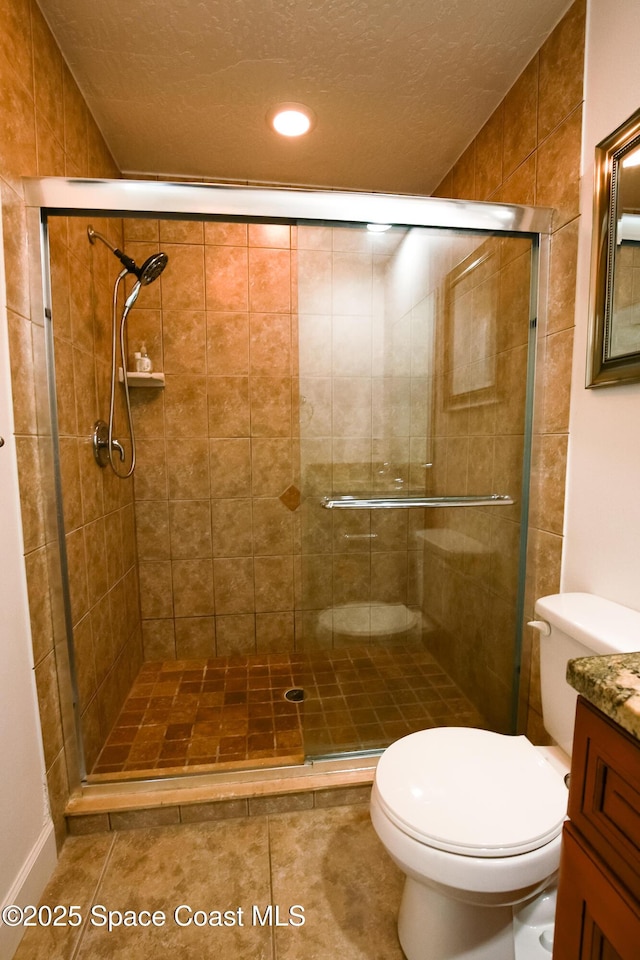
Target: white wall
{"x":27,"y":842}
{"x":602,"y":520}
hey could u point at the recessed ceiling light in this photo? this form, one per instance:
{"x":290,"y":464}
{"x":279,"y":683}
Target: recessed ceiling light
{"x":291,"y":119}
{"x":378,"y":227}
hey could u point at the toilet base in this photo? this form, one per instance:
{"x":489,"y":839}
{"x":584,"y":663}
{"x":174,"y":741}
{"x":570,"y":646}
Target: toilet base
{"x":533,"y":926}
{"x":435,"y":927}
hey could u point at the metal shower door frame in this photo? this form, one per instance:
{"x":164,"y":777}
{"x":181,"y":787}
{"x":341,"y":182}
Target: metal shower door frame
{"x":59,"y":196}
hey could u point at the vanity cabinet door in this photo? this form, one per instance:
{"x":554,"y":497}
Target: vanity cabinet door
{"x":596,"y":917}
{"x":604,"y":799}
{"x":598,"y":912}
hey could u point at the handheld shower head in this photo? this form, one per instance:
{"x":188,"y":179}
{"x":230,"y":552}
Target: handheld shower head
{"x":150,"y":269}
{"x":131,"y":299}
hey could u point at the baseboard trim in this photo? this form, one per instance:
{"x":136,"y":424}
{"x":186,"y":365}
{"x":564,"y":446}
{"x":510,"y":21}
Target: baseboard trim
{"x":29,"y":885}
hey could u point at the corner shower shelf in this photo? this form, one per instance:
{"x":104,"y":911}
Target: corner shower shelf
{"x":135,"y":379}
{"x":451,"y":543}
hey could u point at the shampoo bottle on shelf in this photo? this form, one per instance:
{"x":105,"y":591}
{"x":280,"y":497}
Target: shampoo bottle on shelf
{"x":143,"y":361}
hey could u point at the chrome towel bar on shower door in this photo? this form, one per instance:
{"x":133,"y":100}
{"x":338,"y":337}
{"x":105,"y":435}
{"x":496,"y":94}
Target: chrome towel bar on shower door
{"x":383,"y":502}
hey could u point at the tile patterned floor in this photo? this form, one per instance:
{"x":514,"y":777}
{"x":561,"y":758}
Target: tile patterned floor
{"x":231,"y":711}
{"x":327,"y":860}
{"x":181,"y":714}
{"x":364,"y":698}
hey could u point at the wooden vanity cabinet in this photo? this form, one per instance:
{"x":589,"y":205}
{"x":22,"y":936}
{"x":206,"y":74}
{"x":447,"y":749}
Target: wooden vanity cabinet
{"x":598,"y":912}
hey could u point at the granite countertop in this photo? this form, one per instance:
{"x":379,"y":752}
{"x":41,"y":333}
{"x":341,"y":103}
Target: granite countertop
{"x":612,"y":684}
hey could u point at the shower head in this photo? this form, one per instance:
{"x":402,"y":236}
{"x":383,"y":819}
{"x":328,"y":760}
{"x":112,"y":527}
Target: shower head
{"x":150,"y":269}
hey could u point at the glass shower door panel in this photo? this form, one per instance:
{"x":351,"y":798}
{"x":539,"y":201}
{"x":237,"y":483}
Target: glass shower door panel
{"x":413,"y":362}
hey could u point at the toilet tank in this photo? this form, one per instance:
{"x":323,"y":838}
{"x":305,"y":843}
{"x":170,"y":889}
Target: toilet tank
{"x":577,"y":625}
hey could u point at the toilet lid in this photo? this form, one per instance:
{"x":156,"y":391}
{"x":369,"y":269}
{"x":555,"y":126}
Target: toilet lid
{"x":471,"y":791}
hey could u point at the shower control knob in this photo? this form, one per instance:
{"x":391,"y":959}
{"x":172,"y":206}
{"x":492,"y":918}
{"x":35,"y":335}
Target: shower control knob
{"x":1,"y":441}
{"x":101,"y":444}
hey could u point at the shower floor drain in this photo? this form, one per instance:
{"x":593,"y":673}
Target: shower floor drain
{"x":295,"y":695}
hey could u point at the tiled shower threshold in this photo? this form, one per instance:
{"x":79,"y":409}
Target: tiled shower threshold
{"x":89,"y":809}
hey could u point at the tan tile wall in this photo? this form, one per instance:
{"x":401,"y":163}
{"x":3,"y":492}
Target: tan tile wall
{"x":216,"y":447}
{"x":98,"y":506}
{"x":529,"y":152}
{"x":46,"y":130}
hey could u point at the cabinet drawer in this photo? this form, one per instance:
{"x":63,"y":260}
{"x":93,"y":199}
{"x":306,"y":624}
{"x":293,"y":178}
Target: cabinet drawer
{"x":604,"y":798}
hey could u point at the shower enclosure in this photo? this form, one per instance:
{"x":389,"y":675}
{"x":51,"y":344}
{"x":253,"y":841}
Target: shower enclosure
{"x":330,"y":493}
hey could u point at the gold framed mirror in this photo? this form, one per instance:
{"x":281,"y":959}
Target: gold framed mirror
{"x":614,"y":343}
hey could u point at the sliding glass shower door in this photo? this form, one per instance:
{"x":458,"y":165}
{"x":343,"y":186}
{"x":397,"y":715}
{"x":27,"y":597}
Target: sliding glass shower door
{"x":414,"y":354}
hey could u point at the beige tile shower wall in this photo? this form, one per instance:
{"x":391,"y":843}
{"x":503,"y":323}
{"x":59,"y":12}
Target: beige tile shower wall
{"x":215,"y":487}
{"x":97,"y":506}
{"x":529,"y":152}
{"x":47,"y":131}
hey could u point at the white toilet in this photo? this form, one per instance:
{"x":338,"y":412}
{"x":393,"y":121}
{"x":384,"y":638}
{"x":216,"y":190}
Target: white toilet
{"x":474,"y":818}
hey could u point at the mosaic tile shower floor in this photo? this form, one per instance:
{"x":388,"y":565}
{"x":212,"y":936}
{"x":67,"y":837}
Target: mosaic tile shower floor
{"x":231,"y":712}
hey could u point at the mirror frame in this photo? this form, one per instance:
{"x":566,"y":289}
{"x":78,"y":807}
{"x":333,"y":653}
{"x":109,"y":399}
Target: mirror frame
{"x":602,"y":370}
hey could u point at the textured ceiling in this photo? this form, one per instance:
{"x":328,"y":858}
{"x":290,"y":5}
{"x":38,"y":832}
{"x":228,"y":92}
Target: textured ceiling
{"x":400,"y":87}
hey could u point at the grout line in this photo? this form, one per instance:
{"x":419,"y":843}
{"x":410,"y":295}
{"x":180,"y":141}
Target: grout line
{"x":273,"y":930}
{"x":76,"y":950}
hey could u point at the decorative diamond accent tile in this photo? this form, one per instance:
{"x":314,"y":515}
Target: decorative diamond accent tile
{"x":291,"y":498}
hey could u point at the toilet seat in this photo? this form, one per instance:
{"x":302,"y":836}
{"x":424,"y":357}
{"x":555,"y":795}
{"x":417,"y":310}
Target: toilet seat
{"x":470,"y":791}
